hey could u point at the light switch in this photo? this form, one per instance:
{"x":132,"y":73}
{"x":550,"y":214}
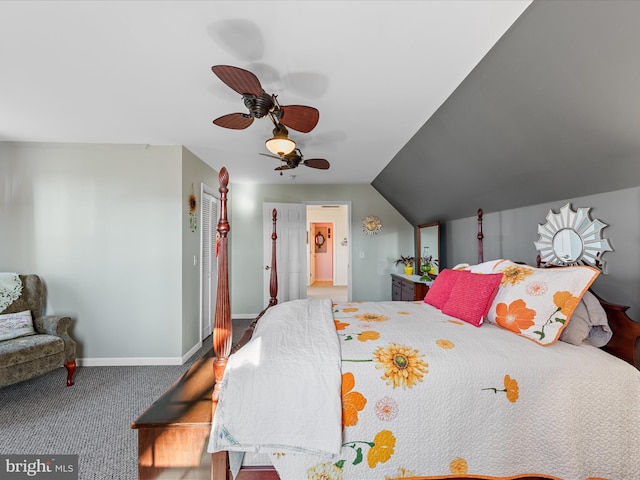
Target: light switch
{"x":362,"y":254}
{"x":195,"y":260}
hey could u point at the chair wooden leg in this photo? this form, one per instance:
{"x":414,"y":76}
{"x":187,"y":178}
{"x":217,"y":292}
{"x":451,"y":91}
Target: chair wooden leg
{"x":71,"y":369}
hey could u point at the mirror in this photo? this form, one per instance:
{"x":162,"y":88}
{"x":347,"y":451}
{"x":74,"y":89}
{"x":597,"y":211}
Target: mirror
{"x":319,"y":239}
{"x":371,"y":225}
{"x":572,"y":238}
{"x":567,"y":245}
{"x":428,"y":249}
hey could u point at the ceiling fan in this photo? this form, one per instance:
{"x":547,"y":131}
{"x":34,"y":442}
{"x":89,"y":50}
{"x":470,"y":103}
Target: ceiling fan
{"x":261,"y":104}
{"x":295,"y":158}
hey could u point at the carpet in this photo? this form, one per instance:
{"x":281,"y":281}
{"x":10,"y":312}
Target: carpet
{"x":93,"y":418}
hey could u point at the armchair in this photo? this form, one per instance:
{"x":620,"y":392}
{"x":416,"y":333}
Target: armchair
{"x":50,"y":347}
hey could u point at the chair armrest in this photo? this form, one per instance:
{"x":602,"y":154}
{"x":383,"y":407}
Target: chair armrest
{"x":58,"y":326}
{"x":52,"y":325}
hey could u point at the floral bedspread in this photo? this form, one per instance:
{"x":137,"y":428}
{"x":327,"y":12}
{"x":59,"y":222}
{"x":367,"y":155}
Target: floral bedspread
{"x":425,"y":395}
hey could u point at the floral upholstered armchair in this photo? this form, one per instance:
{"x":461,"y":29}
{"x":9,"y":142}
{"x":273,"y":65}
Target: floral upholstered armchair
{"x":31,"y":344}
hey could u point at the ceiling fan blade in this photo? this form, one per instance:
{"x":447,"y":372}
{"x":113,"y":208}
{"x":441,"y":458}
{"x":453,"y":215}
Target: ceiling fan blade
{"x":320,"y":163}
{"x":238,"y":79}
{"x":236,"y":121}
{"x":269,"y":155}
{"x":299,"y":117}
{"x":283,"y":167}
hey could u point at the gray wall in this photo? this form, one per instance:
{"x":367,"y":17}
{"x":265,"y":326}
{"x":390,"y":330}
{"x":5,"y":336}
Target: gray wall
{"x":370,"y":275}
{"x":104,"y":226}
{"x":510,"y":234}
{"x":551,"y":112}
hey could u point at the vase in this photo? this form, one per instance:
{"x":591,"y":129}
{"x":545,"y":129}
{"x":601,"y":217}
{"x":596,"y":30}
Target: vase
{"x":408,"y":270}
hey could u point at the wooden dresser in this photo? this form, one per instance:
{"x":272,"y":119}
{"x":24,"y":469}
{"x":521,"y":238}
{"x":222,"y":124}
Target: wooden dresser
{"x":408,"y":287}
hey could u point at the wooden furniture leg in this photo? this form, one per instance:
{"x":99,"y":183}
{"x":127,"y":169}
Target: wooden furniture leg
{"x":71,"y":369}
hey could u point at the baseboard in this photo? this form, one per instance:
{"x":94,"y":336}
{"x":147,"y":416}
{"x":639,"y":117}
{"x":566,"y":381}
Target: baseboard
{"x":190,"y":353}
{"x":243,"y":316}
{"x":128,"y":362}
{"x":149,"y":361}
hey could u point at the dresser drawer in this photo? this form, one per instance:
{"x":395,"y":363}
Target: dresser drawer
{"x":406,"y":289}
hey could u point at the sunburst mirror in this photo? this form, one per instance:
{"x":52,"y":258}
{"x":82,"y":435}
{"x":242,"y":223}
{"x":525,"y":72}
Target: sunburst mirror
{"x":572,"y":238}
{"x":371,"y":225}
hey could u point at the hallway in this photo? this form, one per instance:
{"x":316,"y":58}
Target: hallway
{"x":326,"y":289}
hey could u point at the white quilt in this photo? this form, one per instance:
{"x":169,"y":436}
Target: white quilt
{"x":287,"y":375}
{"x":425,"y":395}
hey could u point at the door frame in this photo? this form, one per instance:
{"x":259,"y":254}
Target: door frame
{"x":347,"y":204}
{"x":214,"y":276}
{"x":267,"y":221}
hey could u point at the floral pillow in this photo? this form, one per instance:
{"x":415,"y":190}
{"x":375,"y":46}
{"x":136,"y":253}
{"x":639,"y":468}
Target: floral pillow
{"x":537,"y":303}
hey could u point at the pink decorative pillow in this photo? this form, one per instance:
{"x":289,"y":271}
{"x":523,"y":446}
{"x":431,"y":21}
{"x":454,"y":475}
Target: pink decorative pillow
{"x":471,"y":297}
{"x":439,"y":291}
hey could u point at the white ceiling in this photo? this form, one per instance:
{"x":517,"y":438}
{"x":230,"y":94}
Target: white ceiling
{"x":140,"y":72}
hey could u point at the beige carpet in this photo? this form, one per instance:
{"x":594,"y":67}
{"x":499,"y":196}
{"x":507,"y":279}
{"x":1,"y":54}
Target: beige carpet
{"x":327,"y":290}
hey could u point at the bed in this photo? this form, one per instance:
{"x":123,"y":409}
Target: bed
{"x":461,"y":385}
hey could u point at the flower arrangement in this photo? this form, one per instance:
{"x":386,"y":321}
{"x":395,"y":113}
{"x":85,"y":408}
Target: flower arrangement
{"x":407,"y":261}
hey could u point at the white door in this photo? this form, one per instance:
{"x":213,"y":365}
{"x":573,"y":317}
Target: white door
{"x":312,"y":254}
{"x":209,"y":261}
{"x":290,"y":250}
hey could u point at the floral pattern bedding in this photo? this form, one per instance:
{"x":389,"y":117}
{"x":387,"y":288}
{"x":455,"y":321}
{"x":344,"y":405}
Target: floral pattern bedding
{"x":425,"y":395}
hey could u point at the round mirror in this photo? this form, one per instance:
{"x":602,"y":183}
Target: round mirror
{"x":567,"y":245}
{"x":571,"y":237}
{"x":319,"y":239}
{"x":371,"y":225}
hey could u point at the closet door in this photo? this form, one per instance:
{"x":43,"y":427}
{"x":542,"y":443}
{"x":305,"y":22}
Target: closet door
{"x":209,"y":261}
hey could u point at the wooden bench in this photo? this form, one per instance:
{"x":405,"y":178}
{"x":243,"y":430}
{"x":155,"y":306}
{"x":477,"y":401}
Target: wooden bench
{"x":173,"y":432}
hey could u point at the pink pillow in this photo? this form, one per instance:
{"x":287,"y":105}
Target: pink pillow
{"x":439,"y":291}
{"x":471,"y":297}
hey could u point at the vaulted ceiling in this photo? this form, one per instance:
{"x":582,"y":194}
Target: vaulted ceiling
{"x":140,"y":72}
{"x":443,"y":106}
{"x":552,"y":112}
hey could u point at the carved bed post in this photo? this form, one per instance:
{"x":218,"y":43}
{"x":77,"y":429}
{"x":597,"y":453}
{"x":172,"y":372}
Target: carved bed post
{"x":480,"y":237}
{"x":222,"y":330}
{"x":222,"y":322}
{"x":273,"y":279}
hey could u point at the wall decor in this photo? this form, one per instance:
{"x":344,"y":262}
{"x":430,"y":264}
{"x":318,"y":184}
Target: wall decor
{"x":320,"y":240}
{"x":193,"y":210}
{"x":571,"y":238}
{"x":371,"y":225}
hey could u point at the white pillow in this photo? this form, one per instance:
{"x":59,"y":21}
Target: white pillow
{"x":14,"y":325}
{"x":484,"y":267}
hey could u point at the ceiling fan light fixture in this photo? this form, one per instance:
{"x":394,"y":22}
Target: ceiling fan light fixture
{"x":280,"y":144}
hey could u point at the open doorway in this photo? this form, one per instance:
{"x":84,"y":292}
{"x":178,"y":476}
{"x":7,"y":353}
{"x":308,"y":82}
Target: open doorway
{"x":328,"y":252}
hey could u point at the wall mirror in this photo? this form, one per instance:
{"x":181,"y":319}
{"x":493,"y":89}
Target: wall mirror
{"x":428,"y":249}
{"x":572,"y":238}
